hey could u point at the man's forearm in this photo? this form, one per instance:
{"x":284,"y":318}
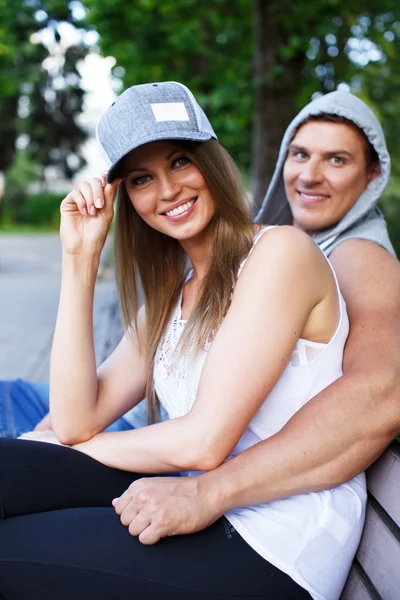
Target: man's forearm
{"x":336,"y":435}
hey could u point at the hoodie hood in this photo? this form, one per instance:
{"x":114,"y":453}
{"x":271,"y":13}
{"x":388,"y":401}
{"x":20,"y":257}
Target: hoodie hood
{"x":364,"y":220}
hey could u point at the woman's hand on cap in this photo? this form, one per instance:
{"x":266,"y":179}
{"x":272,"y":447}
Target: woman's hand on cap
{"x":93,"y":195}
{"x":86,"y":215}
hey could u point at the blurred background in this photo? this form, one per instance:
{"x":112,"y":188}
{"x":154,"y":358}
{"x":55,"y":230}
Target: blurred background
{"x":251,"y":64}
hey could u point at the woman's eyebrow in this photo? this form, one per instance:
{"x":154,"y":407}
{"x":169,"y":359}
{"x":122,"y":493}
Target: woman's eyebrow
{"x":133,"y":169}
{"x":168,"y":157}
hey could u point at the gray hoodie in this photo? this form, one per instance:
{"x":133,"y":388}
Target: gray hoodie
{"x":364,"y":220}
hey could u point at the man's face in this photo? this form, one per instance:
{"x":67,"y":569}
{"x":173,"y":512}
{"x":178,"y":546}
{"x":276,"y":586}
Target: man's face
{"x":325,"y":172}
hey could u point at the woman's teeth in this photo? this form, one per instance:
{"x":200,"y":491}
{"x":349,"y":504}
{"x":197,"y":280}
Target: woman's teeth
{"x":180,"y":209}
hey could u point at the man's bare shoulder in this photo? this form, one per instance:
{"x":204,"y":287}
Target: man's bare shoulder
{"x":369,"y":279}
{"x":367,"y":274}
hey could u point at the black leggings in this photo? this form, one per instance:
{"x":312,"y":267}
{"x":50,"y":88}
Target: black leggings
{"x":60,"y":539}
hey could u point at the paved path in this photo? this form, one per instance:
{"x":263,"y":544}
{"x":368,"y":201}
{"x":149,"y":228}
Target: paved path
{"x":30,"y":269}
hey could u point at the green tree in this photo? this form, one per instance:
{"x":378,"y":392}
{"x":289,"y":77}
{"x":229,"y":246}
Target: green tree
{"x":253,"y":65}
{"x":209,"y":48}
{"x":314,"y":46}
{"x":39,"y":106}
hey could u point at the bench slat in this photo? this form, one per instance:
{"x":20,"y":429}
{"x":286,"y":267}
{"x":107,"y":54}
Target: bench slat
{"x":384,"y":482}
{"x":358,"y":586}
{"x":379,"y":552}
{"x":108,"y":328}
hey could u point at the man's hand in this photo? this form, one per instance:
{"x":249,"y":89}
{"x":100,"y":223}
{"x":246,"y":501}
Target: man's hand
{"x":153,"y":508}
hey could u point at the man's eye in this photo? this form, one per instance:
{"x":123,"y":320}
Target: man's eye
{"x":299,"y":154}
{"x":337,"y":160}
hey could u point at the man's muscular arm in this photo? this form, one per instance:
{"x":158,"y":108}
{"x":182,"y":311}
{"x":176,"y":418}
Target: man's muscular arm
{"x":343,"y":429}
{"x":338,"y":433}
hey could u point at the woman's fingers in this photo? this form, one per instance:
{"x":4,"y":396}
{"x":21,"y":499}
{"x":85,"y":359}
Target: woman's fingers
{"x":103,"y":178}
{"x":94,"y":195}
{"x":89,"y":191}
{"x":110,"y":191}
{"x":88,"y":197}
{"x":74,"y":200}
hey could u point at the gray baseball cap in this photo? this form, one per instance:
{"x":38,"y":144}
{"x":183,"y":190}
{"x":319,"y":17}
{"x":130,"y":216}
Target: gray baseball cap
{"x":147,"y":113}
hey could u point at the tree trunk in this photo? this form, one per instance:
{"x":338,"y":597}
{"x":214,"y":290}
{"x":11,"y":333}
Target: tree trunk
{"x":276,"y":85}
{"x":9,"y":131}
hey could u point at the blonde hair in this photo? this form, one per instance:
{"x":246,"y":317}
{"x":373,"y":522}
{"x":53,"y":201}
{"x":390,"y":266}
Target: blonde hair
{"x":159,"y":262}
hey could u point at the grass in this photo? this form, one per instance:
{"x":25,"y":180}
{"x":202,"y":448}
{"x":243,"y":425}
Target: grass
{"x":12,"y":228}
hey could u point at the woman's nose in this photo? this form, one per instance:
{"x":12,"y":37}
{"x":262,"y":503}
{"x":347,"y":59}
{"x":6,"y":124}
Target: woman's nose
{"x":169,"y":188}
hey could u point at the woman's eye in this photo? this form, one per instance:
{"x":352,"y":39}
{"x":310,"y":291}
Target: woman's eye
{"x":139,"y":180}
{"x":181,"y":161}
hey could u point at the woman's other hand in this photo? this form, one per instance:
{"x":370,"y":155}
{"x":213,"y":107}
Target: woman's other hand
{"x":86,"y":215}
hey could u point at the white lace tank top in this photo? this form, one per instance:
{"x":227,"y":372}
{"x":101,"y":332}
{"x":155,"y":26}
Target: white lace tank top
{"x":311,"y":537}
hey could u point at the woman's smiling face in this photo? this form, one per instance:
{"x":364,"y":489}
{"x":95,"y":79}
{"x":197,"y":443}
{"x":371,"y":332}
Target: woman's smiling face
{"x":325,"y":173}
{"x":167,"y":190}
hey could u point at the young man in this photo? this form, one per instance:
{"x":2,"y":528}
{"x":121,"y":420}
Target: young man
{"x":332,"y":169}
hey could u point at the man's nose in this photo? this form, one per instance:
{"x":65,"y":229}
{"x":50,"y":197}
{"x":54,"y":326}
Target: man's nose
{"x":312,"y":172}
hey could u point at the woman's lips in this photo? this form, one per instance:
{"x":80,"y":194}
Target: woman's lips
{"x":181,"y":212}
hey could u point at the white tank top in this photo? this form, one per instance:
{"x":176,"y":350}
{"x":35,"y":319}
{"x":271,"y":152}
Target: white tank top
{"x":311,"y":537}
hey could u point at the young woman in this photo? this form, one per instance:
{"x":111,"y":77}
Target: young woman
{"x":232,"y":346}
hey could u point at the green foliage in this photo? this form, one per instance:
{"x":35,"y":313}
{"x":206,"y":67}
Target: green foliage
{"x":207,"y":48}
{"x":41,"y":210}
{"x":324,"y":42}
{"x":40,"y":103}
{"x":22,"y":174}
{"x":390,"y":205}
{"x":20,"y":205}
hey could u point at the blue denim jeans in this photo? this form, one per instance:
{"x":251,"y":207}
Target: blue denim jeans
{"x":23,"y":404}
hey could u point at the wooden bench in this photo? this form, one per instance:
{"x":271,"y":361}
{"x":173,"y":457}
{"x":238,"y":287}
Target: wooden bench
{"x":375,"y":574}
{"x":108,"y":329}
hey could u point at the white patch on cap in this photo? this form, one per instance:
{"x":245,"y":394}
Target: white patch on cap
{"x":170,"y":111}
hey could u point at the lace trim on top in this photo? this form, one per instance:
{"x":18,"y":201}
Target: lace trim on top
{"x":177,"y":376}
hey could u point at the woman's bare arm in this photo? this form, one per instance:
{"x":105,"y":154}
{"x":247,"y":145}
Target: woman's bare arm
{"x":283,"y":282}
{"x":83,"y":401}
